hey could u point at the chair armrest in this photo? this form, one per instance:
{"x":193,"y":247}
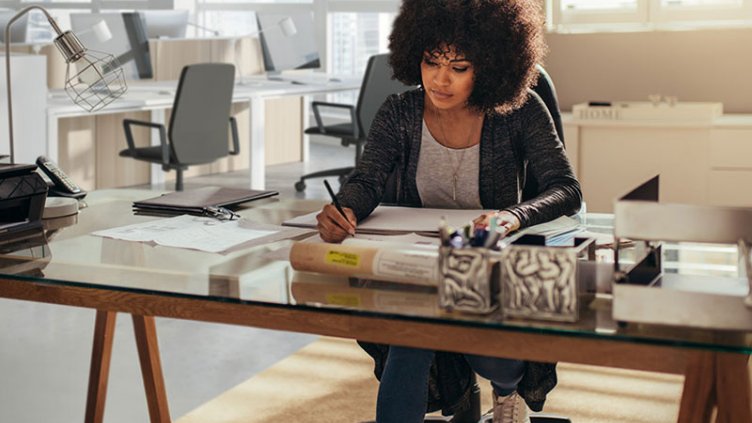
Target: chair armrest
{"x":316,"y":114}
{"x":234,"y":133}
{"x":162,"y":136}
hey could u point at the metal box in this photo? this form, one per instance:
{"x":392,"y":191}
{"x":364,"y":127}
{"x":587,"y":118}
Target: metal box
{"x":468,"y":279}
{"x":545,"y":282}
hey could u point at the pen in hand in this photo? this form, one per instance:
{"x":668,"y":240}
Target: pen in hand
{"x":335,"y":201}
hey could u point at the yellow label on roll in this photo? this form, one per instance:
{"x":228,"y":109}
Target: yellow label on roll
{"x":346,"y":300}
{"x":342,"y":258}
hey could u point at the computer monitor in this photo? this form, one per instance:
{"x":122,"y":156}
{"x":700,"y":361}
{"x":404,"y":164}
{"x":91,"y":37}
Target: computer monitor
{"x":283,"y":51}
{"x":128,"y":42}
{"x":165,"y":23}
{"x":18,"y":30}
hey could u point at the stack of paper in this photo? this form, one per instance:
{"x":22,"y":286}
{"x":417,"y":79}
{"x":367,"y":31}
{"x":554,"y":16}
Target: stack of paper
{"x":201,"y":233}
{"x":390,"y":220}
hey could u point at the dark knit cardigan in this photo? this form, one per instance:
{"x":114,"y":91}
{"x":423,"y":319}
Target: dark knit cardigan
{"x":512,"y":145}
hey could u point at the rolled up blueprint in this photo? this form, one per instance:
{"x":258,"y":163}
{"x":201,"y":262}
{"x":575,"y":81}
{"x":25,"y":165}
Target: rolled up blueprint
{"x":417,"y":266}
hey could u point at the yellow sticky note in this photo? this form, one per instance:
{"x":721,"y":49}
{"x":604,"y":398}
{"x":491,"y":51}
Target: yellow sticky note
{"x":342,"y":258}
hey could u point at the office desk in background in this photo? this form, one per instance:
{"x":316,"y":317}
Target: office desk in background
{"x":244,"y":288}
{"x":155,"y":99}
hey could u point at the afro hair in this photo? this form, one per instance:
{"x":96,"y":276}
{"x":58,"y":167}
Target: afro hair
{"x":503,"y":39}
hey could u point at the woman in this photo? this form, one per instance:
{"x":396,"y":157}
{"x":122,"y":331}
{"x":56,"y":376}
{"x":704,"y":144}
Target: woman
{"x":463,"y":139}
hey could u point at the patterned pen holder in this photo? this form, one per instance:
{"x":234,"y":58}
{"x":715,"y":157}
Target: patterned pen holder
{"x":468,"y":279}
{"x":544,"y":282}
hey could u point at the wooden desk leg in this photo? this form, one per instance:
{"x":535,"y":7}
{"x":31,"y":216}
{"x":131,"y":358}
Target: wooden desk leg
{"x":720,"y":379}
{"x":104,"y":332}
{"x":732,"y":388}
{"x":151,"y":368}
{"x":698,"y":396}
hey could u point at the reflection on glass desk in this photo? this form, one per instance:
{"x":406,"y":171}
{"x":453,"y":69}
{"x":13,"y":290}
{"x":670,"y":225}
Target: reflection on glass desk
{"x":26,"y":253}
{"x":250,"y":287}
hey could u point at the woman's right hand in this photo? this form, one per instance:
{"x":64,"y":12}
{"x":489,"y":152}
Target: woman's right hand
{"x":332,"y":226}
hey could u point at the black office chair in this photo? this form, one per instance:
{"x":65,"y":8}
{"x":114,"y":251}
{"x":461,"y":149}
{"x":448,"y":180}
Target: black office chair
{"x":376,"y":87}
{"x":198,"y":123}
{"x":544,"y":87}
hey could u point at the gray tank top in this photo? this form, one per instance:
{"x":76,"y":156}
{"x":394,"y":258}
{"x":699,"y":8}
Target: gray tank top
{"x":435,"y":177}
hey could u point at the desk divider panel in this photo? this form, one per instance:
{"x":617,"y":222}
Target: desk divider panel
{"x":77,"y":150}
{"x":111,"y":169}
{"x":283,"y":129}
{"x":170,"y":56}
{"x":89,"y":146}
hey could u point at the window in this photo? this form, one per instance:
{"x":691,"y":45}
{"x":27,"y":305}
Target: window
{"x":602,"y":5}
{"x":576,"y":14}
{"x":701,"y":3}
{"x":667,"y":11}
{"x":40,"y":30}
{"x":572,"y":12}
{"x":354,"y":37}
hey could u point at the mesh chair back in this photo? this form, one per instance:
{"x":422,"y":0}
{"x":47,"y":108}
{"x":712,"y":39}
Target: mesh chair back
{"x":199,"y":123}
{"x":377,"y":86}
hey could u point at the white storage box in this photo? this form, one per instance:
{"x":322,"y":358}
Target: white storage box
{"x":643,"y":110}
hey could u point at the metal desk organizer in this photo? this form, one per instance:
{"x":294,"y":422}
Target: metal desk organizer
{"x":467,"y":279}
{"x":546,"y":282}
{"x":528,"y":278}
{"x":643,"y":293}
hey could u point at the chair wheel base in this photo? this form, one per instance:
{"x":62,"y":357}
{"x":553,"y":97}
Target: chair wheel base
{"x":300,"y":186}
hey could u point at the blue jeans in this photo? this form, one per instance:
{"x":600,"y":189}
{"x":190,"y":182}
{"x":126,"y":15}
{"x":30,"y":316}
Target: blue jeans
{"x":403,"y":392}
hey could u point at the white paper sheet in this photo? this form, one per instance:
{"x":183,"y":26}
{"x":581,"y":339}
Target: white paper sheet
{"x":401,"y":220}
{"x":200,"y":233}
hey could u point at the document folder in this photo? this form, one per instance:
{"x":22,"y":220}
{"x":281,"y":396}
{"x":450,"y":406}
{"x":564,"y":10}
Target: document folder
{"x":195,"y":201}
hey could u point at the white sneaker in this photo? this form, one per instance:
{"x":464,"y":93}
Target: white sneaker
{"x":510,"y":409}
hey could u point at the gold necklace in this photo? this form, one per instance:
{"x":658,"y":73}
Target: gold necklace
{"x":455,"y":169}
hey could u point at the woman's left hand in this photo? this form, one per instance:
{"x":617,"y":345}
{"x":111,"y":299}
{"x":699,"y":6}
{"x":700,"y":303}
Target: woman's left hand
{"x":504,"y":219}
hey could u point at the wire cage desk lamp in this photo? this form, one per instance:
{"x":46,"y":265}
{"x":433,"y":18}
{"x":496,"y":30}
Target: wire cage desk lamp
{"x":92,"y":79}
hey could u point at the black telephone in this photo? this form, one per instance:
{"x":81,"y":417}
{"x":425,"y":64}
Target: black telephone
{"x":61,"y":185}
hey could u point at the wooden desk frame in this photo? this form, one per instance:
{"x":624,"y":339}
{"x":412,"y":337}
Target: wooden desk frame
{"x":713,"y":379}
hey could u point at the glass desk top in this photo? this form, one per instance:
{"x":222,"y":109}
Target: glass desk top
{"x":72,"y":256}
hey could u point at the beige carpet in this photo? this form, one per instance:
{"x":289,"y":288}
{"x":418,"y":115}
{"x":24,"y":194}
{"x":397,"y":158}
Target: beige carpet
{"x":331,"y":381}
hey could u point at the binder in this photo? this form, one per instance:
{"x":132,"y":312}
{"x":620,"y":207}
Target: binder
{"x":198,"y":201}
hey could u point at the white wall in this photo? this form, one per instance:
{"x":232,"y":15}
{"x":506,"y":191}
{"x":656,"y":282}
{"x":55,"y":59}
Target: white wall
{"x":696,"y":65}
{"x":29,"y":79}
